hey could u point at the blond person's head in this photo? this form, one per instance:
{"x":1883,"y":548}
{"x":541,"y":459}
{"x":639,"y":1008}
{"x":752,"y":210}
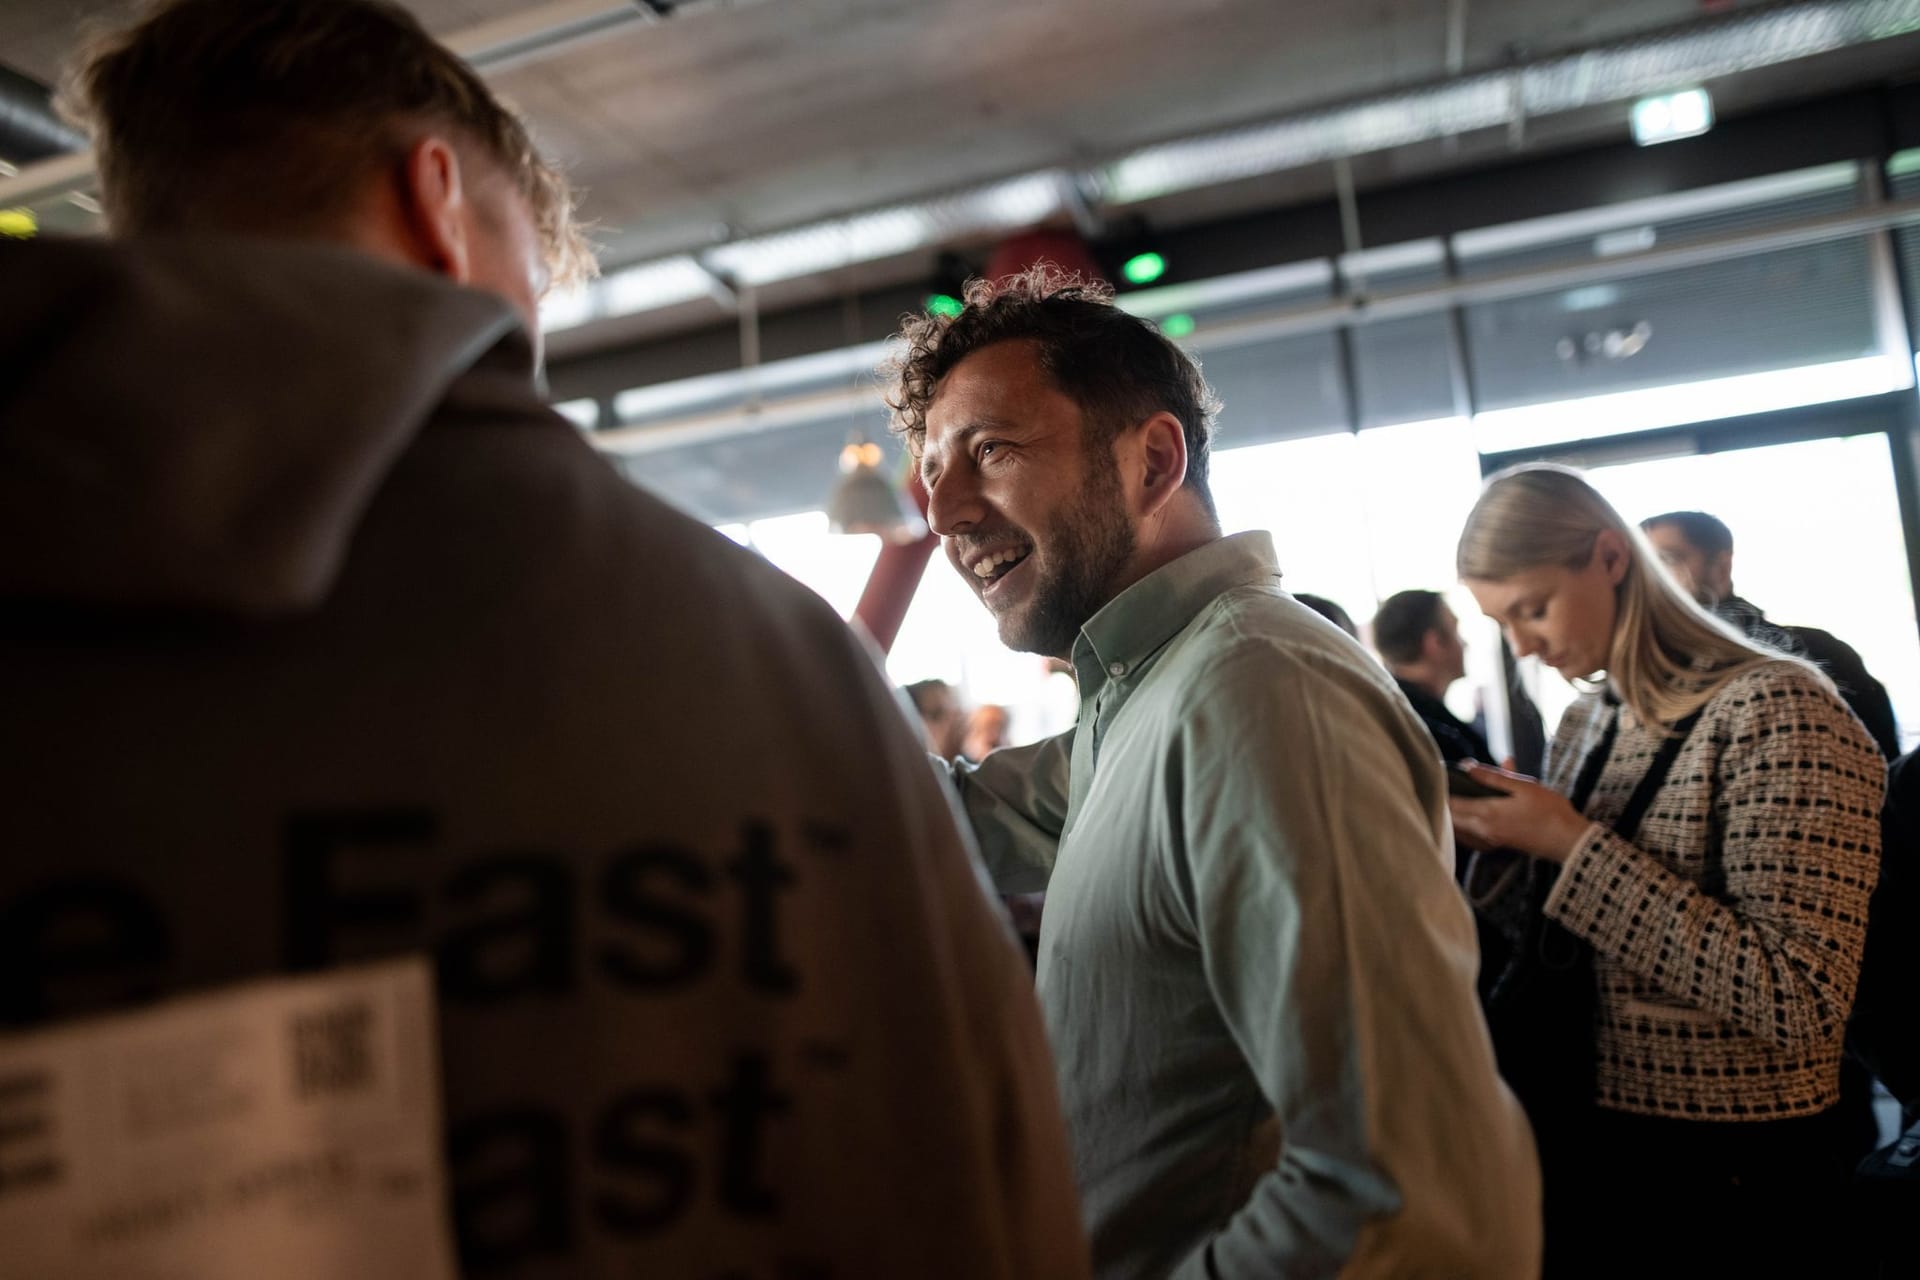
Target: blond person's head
{"x":339,"y":120}
{"x":1554,"y":564}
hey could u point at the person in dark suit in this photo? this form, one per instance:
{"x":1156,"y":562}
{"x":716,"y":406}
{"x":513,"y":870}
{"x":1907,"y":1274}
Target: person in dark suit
{"x":1698,"y":550}
{"x":1418,"y":637}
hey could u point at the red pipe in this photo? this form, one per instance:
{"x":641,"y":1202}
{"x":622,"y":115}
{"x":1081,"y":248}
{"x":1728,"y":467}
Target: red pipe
{"x":895,"y":579}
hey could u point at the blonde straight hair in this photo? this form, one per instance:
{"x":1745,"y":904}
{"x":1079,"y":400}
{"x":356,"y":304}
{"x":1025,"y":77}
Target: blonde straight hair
{"x":1668,"y":657}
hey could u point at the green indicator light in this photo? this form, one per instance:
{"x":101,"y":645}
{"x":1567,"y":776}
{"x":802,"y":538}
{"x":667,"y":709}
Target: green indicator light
{"x":945,"y":304}
{"x":1144,"y":268}
{"x":1177,"y":325}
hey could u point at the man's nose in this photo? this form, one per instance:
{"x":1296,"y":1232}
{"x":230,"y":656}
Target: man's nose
{"x":953,"y":503}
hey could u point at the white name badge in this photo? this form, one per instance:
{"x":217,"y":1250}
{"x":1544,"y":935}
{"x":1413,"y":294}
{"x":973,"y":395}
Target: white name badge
{"x":286,"y":1129}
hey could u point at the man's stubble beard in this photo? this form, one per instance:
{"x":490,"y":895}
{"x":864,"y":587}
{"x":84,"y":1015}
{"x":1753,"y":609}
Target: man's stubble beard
{"x":1088,"y":546}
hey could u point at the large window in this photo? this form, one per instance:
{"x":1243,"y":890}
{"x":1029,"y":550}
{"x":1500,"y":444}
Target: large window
{"x":1357,"y":518}
{"x":836,"y":566}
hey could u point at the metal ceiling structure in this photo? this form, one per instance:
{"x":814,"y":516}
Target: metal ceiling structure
{"x":762,"y":407}
{"x":1502,"y":100}
{"x":793,"y":161}
{"x":29,"y":129}
{"x":704,"y":131}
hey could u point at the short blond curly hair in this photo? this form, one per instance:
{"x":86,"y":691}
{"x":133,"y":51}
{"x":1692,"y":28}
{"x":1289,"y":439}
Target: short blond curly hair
{"x":265,"y":114}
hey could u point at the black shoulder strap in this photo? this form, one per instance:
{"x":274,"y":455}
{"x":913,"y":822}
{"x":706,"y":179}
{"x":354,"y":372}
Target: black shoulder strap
{"x":1627,"y":825}
{"x":1596,"y":761}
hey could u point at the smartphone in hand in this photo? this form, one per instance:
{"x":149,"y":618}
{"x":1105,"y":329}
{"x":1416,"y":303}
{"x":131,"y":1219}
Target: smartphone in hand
{"x":1462,"y":783}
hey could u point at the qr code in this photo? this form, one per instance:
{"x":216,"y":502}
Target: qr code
{"x":333,"y":1050}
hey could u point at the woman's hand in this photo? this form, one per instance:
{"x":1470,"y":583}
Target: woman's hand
{"x":1534,"y":819}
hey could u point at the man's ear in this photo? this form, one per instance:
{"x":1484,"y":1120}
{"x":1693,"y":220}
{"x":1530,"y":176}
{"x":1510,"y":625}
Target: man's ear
{"x":1162,"y":460}
{"x":434,"y":201}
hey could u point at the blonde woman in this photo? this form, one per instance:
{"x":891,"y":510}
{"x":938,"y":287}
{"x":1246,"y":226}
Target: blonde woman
{"x":1693,"y":872}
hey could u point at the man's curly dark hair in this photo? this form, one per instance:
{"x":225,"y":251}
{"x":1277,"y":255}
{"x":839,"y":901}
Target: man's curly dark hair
{"x":1117,"y":367}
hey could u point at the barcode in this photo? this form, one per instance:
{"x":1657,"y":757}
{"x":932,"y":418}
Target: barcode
{"x":333,"y":1050}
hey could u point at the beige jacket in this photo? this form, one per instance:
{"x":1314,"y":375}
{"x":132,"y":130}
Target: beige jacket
{"x":1728,"y":934}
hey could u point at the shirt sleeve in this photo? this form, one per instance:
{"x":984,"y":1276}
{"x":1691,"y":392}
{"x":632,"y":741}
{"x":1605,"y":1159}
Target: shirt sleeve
{"x":1016,"y":802}
{"x":1797,"y":792}
{"x":1315,"y":844}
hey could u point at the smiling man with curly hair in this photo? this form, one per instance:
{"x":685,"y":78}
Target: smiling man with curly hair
{"x":1255,"y":968}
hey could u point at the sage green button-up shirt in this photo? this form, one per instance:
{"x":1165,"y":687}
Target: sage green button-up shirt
{"x":1256,"y":971}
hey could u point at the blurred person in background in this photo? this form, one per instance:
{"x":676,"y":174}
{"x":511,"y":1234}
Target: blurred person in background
{"x":1689,"y":903}
{"x":322,"y":641}
{"x":1697,"y":549}
{"x":938,"y":705}
{"x":986,"y":731}
{"x":1256,"y":972}
{"x":1418,"y":637}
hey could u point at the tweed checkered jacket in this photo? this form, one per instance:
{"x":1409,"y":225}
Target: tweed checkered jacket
{"x":1728,"y":934}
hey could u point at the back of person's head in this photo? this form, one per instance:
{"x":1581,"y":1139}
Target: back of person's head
{"x":1400,"y":628}
{"x":272,"y":117}
{"x":1116,"y":367}
{"x":1705,"y":533}
{"x":1667,"y":656}
{"x":1330,"y":611}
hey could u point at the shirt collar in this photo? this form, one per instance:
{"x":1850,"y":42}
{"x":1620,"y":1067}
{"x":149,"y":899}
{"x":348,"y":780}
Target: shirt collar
{"x":1134,"y":625}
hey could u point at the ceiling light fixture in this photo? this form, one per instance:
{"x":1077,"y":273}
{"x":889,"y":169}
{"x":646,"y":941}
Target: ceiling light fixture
{"x":865,"y":501}
{"x":1672,"y":116}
